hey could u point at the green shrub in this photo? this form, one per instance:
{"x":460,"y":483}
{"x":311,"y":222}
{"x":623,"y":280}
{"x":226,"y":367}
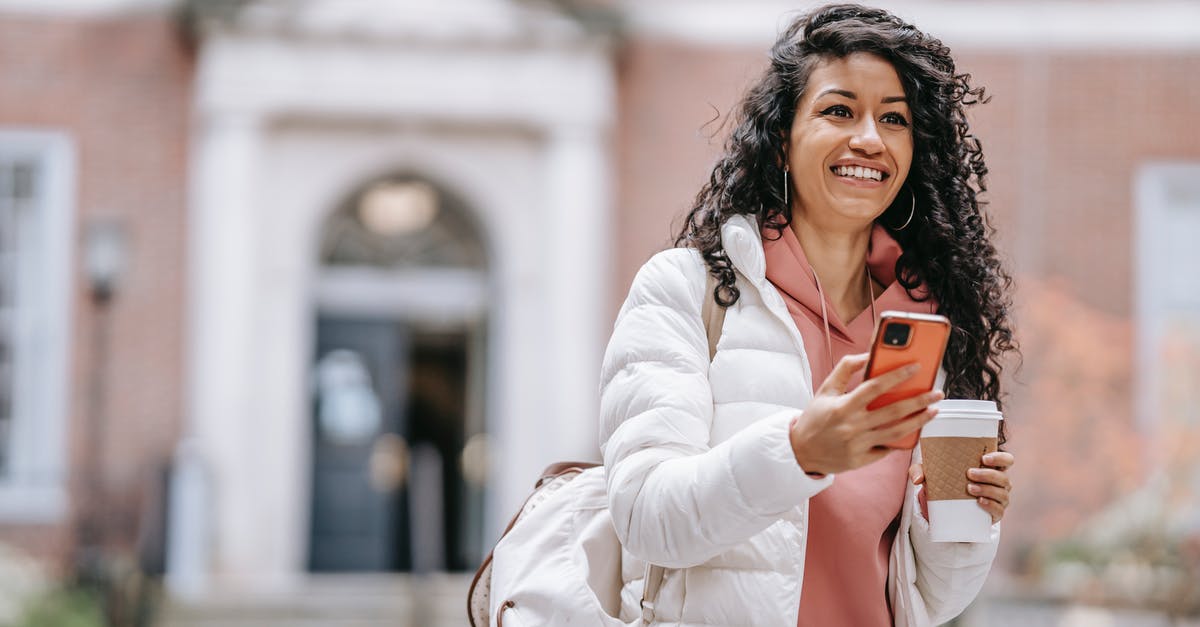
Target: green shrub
{"x":64,"y":607}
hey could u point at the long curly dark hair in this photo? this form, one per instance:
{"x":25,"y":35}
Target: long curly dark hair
{"x":947,"y":247}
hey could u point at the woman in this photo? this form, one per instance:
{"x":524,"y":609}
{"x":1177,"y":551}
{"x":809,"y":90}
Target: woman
{"x":848,"y":186}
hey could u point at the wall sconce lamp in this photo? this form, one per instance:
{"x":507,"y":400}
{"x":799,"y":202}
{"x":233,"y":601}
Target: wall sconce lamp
{"x":104,"y":257}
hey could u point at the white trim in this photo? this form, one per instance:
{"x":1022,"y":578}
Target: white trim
{"x":448,"y":297}
{"x":1153,"y":271}
{"x":1057,"y":24}
{"x":529,"y":158}
{"x":462,"y":23}
{"x":221,"y":362}
{"x":286,"y":78}
{"x":518,"y":133}
{"x":35,"y":490}
{"x":87,"y":8}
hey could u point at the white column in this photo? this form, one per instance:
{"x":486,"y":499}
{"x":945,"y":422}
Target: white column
{"x":284,"y":337}
{"x":221,"y":357}
{"x":512,"y":385}
{"x":553,"y":285}
{"x":576,"y":268}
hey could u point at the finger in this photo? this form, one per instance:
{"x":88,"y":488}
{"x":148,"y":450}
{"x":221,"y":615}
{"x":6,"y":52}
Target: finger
{"x":992,"y":507}
{"x":999,"y":459}
{"x":838,"y":380}
{"x":891,"y":433}
{"x":989,"y":492}
{"x":916,"y":474}
{"x":990,"y":476}
{"x":901,"y":409}
{"x":873,"y":388}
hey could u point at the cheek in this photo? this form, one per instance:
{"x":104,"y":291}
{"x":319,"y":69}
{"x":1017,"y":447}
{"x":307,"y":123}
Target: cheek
{"x":812,"y":149}
{"x":902,"y":152}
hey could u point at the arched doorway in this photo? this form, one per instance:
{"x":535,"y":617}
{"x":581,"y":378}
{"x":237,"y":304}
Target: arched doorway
{"x":400,"y":310}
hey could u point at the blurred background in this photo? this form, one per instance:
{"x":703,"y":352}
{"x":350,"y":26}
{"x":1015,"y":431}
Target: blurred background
{"x":297,"y":297}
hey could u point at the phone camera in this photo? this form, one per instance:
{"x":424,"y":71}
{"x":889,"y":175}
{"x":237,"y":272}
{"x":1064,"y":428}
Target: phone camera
{"x":896,"y":334}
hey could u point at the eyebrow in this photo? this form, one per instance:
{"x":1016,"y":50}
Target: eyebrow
{"x":851,"y":95}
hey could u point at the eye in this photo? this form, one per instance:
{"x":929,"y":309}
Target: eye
{"x":841,"y":111}
{"x":895,"y":118}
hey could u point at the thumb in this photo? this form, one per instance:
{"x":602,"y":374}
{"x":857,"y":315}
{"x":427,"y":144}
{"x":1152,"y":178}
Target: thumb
{"x":838,"y":380}
{"x":916,"y":474}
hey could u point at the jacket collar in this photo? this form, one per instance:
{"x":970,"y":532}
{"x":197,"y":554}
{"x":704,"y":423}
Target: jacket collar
{"x":743,"y":244}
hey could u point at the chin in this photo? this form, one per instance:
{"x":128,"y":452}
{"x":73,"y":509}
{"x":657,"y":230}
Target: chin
{"x":864,"y":214}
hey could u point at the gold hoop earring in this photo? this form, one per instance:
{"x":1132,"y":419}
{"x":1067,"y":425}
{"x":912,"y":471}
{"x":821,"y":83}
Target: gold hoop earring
{"x":911,"y":212}
{"x":785,"y":188}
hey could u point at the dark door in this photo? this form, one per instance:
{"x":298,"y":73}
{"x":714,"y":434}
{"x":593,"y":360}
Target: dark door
{"x":359,"y":454}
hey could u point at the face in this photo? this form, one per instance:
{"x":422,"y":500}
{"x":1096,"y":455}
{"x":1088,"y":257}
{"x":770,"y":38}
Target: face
{"x":850,"y":146}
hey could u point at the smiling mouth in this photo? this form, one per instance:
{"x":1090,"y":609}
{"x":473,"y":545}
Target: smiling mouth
{"x":859,"y":172}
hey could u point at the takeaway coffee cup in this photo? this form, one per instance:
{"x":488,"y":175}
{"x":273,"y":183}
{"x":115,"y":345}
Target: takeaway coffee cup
{"x":956,"y":439}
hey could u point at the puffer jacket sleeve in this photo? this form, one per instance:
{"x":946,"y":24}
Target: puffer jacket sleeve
{"x":949,"y":574}
{"x":675,"y":500}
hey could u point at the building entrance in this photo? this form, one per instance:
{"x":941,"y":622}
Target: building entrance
{"x":397,"y":426}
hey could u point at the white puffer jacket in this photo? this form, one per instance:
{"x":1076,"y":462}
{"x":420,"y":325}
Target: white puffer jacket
{"x":701,"y":476}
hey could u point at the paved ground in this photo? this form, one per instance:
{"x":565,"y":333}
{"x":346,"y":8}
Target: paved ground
{"x":440,"y":601}
{"x":1032,"y":613}
{"x":333,"y":601}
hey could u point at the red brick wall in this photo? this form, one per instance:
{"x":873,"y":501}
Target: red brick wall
{"x":1063,"y":136}
{"x":667,"y":96}
{"x":120,"y":88}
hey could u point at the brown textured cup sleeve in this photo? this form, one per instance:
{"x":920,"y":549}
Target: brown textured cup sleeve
{"x":946,"y":461}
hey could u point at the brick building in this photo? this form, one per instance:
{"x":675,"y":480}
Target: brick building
{"x":234,"y":148}
{"x":94,"y":114}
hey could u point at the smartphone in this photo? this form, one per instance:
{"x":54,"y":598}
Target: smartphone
{"x":901,"y":339}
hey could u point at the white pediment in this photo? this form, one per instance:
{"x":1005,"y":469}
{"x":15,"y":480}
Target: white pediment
{"x":453,"y":21}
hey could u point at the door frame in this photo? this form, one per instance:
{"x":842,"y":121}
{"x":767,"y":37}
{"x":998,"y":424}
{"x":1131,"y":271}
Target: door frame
{"x":531,"y":159}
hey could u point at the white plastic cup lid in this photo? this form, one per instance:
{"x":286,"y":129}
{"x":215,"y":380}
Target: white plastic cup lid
{"x":967,"y":408}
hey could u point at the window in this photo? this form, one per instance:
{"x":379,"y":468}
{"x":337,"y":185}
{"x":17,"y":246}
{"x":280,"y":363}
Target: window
{"x":36,"y":217}
{"x":402,"y":222}
{"x":16,"y":191}
{"x":1168,"y":310}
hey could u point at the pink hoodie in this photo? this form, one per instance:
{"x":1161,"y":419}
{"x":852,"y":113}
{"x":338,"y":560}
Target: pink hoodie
{"x":852,"y":523}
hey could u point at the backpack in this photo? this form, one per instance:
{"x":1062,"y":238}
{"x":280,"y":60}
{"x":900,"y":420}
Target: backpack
{"x":558,"y":561}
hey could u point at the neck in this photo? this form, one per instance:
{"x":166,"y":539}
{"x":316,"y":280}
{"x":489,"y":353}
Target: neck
{"x":838,"y":257}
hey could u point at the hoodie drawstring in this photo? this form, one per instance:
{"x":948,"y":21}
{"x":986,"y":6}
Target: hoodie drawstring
{"x":825,"y":314}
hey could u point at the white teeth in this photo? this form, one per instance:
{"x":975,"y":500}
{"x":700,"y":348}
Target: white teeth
{"x":859,"y":172}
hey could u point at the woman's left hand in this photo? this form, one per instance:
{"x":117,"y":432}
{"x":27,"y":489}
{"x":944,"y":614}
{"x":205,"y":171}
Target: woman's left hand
{"x":989,"y":484}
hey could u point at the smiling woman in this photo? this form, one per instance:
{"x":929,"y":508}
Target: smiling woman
{"x":881,"y":87}
{"x":849,"y":185}
{"x":850,"y":146}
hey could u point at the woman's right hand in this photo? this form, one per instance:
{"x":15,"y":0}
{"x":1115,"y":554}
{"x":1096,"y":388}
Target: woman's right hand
{"x":837,"y":432}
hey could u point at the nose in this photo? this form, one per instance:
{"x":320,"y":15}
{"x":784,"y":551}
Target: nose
{"x":866,"y":138}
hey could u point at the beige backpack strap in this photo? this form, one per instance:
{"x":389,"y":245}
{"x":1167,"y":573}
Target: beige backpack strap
{"x":650,"y":586}
{"x":712,"y":313}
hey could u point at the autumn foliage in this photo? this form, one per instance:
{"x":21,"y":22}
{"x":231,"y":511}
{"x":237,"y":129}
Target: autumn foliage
{"x":1070,"y":417}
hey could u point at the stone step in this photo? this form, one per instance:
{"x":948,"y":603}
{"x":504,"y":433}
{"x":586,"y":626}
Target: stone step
{"x":330,"y":601}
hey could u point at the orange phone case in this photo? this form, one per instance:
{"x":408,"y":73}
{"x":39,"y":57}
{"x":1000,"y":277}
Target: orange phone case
{"x":926,"y":344}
